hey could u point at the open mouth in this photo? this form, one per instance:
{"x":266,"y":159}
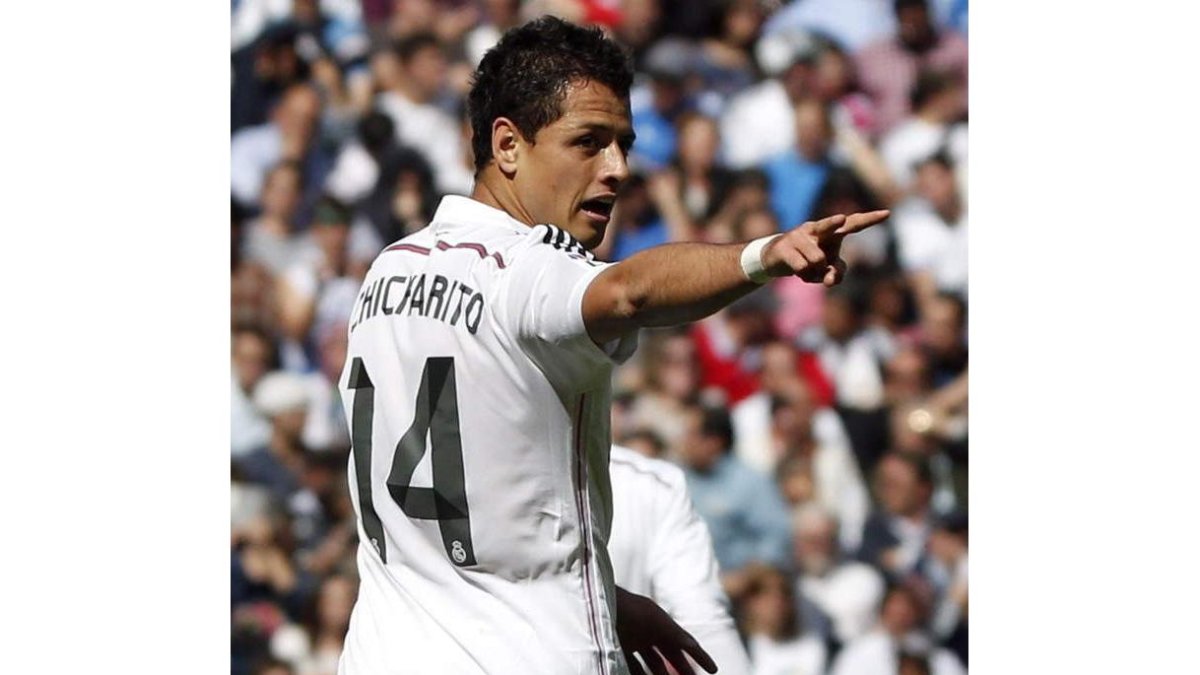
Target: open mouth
{"x":598,"y":209}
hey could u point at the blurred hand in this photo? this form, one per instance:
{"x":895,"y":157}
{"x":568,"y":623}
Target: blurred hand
{"x":643,"y":628}
{"x":812,"y":251}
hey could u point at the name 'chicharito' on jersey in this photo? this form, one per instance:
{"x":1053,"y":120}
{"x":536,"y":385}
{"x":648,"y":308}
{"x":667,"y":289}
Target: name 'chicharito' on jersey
{"x":432,"y":296}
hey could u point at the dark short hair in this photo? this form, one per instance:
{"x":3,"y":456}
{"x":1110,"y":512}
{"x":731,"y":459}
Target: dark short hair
{"x":715,"y":422}
{"x":330,"y":210}
{"x":407,"y":47}
{"x":525,"y":77}
{"x":930,"y":83}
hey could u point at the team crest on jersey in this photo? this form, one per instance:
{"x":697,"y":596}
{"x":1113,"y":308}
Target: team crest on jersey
{"x":563,"y":241}
{"x":457,"y":552}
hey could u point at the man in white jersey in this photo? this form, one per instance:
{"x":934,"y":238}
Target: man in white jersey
{"x":477,"y":383}
{"x":661,"y":548}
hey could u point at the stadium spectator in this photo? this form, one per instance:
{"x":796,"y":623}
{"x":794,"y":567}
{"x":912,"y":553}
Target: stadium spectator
{"x":759,"y":123}
{"x":895,"y":535}
{"x":778,"y":642}
{"x":663,"y":405}
{"x":849,"y":351}
{"x":282,"y":398}
{"x":703,"y":183}
{"x":931,"y":231}
{"x":659,"y":101}
{"x":742,"y":507}
{"x":939,"y":101}
{"x":798,"y":175}
{"x":827,"y":579}
{"x":262,"y":71}
{"x":729,"y":344}
{"x":783,"y":369}
{"x":948,"y":546}
{"x":292,"y":135}
{"x":725,"y":61}
{"x":888,"y":68}
{"x":837,"y":484}
{"x":943,"y":338}
{"x":416,"y":106}
{"x":253,"y":357}
{"x":900,"y":630}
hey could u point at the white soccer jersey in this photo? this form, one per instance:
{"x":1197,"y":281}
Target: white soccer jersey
{"x":479,"y":415}
{"x":662,"y":549}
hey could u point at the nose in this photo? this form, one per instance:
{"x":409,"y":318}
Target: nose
{"x":615,"y":170}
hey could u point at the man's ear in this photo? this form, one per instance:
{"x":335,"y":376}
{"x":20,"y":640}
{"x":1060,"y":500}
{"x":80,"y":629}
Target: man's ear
{"x":506,"y":144}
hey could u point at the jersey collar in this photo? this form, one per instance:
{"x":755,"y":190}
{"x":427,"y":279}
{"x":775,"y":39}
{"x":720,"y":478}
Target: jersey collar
{"x":457,"y":211}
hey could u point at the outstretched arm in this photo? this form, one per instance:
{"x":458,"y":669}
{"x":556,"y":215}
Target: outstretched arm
{"x":678,"y":283}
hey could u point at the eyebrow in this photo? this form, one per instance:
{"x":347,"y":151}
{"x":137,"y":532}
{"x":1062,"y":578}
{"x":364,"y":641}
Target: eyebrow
{"x":625,"y":137}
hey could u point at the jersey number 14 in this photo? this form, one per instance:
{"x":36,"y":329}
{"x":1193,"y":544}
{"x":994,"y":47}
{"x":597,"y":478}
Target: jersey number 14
{"x":436,"y":417}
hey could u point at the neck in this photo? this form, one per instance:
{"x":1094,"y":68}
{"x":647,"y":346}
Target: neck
{"x":496,"y":194}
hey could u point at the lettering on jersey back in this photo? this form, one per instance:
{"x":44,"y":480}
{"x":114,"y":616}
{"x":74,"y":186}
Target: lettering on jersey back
{"x":446,"y":300}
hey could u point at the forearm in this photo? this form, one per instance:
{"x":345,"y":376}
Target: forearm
{"x":663,"y":286}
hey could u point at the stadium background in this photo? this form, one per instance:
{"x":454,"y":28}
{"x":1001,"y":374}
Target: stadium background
{"x":848,"y":403}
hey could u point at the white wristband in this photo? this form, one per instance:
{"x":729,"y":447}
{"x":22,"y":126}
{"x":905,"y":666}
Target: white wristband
{"x":752,"y":264}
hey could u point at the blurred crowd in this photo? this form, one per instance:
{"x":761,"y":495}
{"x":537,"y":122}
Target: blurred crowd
{"x":823,"y":432}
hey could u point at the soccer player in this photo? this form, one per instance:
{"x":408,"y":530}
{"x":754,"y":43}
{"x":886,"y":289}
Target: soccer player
{"x":477,"y":383}
{"x":661,"y":548}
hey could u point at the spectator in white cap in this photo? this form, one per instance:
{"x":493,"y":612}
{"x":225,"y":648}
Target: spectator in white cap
{"x":283,"y":399}
{"x":900,"y":630}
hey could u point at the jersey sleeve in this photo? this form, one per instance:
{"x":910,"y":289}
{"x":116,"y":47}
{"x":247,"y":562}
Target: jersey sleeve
{"x":543,"y":305}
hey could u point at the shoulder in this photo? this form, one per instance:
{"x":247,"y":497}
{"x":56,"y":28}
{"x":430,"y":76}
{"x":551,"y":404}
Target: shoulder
{"x":553,"y":241}
{"x":626,"y":462}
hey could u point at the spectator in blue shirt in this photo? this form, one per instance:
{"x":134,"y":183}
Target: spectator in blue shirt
{"x":742,"y":507}
{"x":798,"y":174}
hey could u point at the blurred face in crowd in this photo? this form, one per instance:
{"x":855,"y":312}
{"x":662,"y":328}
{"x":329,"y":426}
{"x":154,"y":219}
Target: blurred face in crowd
{"x":796,"y":481}
{"x":942,"y":326}
{"x":906,"y":375}
{"x":888,"y":301}
{"x":640,"y":22}
{"x":832,"y":75}
{"x":425,"y":72}
{"x":386,"y":71}
{"x":674,"y":372}
{"x":333,"y":352}
{"x":297,"y":113}
{"x":901,"y":612}
{"x":281,"y":192}
{"x":813,"y":130}
{"x":332,"y":239}
{"x":815,"y":543}
{"x":839,"y":318}
{"x":698,"y":450}
{"x":946,"y":547}
{"x":912,"y":665}
{"x":913,"y":26}
{"x":334,"y":603}
{"x":769,"y":604}
{"x":936,"y":184}
{"x":778,"y":366}
{"x":251,"y":358}
{"x":698,"y":141}
{"x":793,"y":421}
{"x":898,"y":487}
{"x":571,"y":172}
{"x":742,"y":21}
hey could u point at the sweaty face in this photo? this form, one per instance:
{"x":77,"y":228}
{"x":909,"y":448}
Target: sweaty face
{"x":570,"y":175}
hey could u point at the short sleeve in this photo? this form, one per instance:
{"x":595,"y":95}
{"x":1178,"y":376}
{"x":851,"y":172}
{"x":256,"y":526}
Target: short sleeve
{"x":543,"y":304}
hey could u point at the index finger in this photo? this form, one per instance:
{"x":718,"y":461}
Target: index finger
{"x":825,"y":226}
{"x":857,"y":222}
